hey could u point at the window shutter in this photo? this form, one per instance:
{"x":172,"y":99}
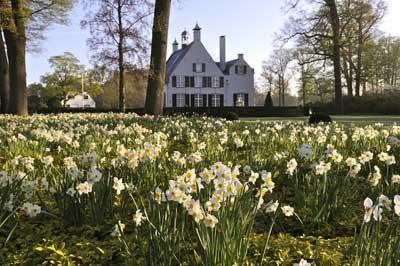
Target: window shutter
{"x":221,"y":82}
{"x":187,"y":82}
{"x":234,"y":99}
{"x":203,"y":66}
{"x":221,"y":100}
{"x":194,"y":67}
{"x":192,"y":82}
{"x":173,"y":100}
{"x":174,"y":81}
{"x":209,"y":82}
{"x":210,"y":100}
{"x":244,"y":69}
{"x":204,"y":100}
{"x":192,"y":100}
{"x":204,"y":82}
{"x":236,"y":69}
{"x":246,"y":99}
{"x":187,"y":100}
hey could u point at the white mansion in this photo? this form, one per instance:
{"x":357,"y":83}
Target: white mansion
{"x":194,"y":79}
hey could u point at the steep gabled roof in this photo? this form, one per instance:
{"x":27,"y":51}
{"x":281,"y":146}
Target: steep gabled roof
{"x":175,"y":58}
{"x":228,"y":65}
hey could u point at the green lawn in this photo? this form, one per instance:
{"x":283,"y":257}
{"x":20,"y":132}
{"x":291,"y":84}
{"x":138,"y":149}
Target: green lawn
{"x":359,"y":120}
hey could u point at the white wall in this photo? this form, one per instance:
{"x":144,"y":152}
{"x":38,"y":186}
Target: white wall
{"x":78,"y":101}
{"x":233,"y":83}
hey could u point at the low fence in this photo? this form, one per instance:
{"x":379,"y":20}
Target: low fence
{"x":258,"y":111}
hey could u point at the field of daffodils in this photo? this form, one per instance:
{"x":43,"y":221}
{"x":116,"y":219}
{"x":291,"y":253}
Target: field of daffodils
{"x":119,"y":189}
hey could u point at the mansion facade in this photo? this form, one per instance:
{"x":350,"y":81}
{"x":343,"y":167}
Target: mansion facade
{"x":194,"y":79}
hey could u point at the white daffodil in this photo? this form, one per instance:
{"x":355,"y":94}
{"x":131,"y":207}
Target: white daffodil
{"x":118,"y":229}
{"x":396,"y":179}
{"x":302,"y":262}
{"x":210,"y":221}
{"x":287,"y":210}
{"x":31,"y":210}
{"x":138,"y":218}
{"x":118,"y":185}
{"x":396,"y":201}
{"x":306,"y":151}
{"x":84,"y":188}
{"x":253,"y":177}
{"x":271,"y":206}
{"x":372,"y":211}
{"x":291,"y":166}
{"x":368,"y":204}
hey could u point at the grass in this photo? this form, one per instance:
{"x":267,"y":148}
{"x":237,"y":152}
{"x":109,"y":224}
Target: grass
{"x":358,"y":120}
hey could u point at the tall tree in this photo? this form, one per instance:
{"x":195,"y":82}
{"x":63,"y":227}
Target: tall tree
{"x":368,"y":14}
{"x":320,"y":29}
{"x":4,"y":77}
{"x":16,"y":45}
{"x":156,"y":80}
{"x":23,"y":22}
{"x":277,"y":68}
{"x":336,"y":54}
{"x":118,"y":35}
{"x":67,"y":79}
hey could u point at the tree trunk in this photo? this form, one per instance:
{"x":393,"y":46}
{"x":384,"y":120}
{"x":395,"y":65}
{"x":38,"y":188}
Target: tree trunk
{"x":121,"y":63}
{"x":16,"y":43}
{"x":359,"y":57}
{"x":348,"y":75}
{"x":156,"y":80}
{"x":4,"y":77}
{"x":335,"y":24}
{"x":303,"y":84}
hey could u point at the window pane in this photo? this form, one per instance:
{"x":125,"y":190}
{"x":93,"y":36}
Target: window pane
{"x":198,"y":81}
{"x":215,"y":100}
{"x":180,"y":100}
{"x":199,"y":67}
{"x":180,"y":81}
{"x":198,"y":100}
{"x":240,"y":100}
{"x":215,"y":82}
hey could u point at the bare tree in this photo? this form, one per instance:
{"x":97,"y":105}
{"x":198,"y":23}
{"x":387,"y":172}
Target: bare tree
{"x":368,"y":14}
{"x":156,"y":81}
{"x":118,"y":35}
{"x":320,"y":29}
{"x":23,"y":21}
{"x":276,"y":70}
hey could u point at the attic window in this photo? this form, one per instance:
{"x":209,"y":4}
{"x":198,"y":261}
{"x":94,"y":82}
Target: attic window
{"x":241,"y":70}
{"x":85,"y":97}
{"x":199,"y":67}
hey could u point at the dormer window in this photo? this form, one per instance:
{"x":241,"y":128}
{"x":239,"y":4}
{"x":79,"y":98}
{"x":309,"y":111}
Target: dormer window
{"x":241,"y":70}
{"x":199,"y":67}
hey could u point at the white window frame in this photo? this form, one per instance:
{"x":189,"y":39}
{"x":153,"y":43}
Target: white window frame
{"x":199,"y":68}
{"x":180,"y":100}
{"x":180,"y":81}
{"x":198,"y":81}
{"x":198,"y":100}
{"x":215,"y":82}
{"x":240,"y":100}
{"x":215,"y":100}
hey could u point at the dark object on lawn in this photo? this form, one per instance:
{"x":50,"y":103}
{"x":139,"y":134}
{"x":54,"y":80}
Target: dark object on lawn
{"x":268,"y":101}
{"x":316,"y":118}
{"x":231,"y":116}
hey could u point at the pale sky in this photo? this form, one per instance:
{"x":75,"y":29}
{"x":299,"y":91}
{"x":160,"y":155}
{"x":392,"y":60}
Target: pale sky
{"x":249,"y":27}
